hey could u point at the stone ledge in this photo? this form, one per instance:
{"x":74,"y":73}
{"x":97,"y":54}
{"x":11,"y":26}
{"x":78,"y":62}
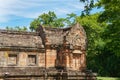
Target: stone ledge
{"x":41,"y":72}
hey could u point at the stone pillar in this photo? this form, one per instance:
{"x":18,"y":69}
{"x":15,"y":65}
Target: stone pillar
{"x":67,"y":60}
{"x":64,"y":60}
{"x":41,"y":59}
{"x":22,"y":59}
{"x":3,"y":58}
{"x":71,"y":60}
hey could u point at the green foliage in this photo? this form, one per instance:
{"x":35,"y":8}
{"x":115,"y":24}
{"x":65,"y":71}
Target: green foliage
{"x":96,"y":44}
{"x":34,"y":24}
{"x":50,"y":20}
{"x":17,"y":28}
{"x":89,"y":4}
{"x":70,"y":19}
{"x":111,"y":15}
{"x":106,"y":63}
{"x":111,"y":35}
{"x":93,"y":30}
{"x":47,"y":19}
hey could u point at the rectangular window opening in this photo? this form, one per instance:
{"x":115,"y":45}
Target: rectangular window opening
{"x":32,"y":60}
{"x":12,"y":59}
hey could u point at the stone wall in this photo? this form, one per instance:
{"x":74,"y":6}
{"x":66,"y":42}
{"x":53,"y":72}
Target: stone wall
{"x":37,"y":73}
{"x":21,"y":59}
{"x":51,"y":55}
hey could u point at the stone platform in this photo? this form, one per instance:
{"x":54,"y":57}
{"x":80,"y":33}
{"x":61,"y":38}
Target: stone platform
{"x":37,"y":73}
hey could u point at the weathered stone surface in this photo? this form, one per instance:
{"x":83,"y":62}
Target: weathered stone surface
{"x":37,"y":73}
{"x":48,"y":54}
{"x":73,"y":36}
{"x":19,"y":39}
{"x":50,"y":57}
{"x":22,"y":59}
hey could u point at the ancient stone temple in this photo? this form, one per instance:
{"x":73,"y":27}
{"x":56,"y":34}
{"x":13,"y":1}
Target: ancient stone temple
{"x":47,"y":54}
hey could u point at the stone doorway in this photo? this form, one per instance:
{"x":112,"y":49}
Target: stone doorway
{"x":76,"y":61}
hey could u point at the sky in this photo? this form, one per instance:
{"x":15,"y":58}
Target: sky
{"x":22,"y":12}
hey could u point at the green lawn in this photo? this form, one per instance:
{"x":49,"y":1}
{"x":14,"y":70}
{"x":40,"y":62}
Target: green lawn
{"x":107,"y":78}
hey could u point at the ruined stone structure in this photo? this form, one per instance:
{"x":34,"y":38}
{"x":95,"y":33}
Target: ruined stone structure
{"x":47,"y":54}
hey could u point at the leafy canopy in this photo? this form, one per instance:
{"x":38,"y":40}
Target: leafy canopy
{"x":51,"y":20}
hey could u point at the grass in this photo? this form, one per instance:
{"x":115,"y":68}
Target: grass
{"x":107,"y":78}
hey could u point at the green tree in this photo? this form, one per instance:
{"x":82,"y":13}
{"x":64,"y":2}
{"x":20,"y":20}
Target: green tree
{"x":51,"y":20}
{"x":88,"y":5}
{"x":48,"y":20}
{"x":70,"y":19}
{"x":34,"y":24}
{"x":111,"y":16}
{"x":110,"y":56}
{"x":96,"y":44}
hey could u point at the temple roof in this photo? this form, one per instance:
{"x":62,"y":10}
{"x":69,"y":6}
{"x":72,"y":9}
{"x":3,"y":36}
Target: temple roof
{"x":13,"y":39}
{"x":72,"y":36}
{"x":55,"y":35}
